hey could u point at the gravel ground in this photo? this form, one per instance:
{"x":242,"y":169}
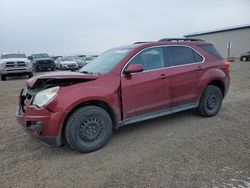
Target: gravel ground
{"x":180,"y":150}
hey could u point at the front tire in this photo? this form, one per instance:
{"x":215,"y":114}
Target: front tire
{"x":210,"y":102}
{"x":30,"y":75}
{"x":3,"y":77}
{"x":88,"y":129}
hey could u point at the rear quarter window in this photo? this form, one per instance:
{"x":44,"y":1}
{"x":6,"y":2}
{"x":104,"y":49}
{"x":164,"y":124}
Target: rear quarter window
{"x":181,"y":55}
{"x":211,"y":49}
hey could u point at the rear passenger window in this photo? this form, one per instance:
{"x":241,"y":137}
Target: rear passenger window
{"x":150,"y":59}
{"x":181,"y":55}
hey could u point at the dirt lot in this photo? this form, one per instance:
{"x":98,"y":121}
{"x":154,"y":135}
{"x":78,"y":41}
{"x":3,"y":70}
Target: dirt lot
{"x":180,"y":150}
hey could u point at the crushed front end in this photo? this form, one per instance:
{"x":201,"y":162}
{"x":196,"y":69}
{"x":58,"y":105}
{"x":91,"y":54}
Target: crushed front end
{"x":38,"y":121}
{"x":39,"y":112}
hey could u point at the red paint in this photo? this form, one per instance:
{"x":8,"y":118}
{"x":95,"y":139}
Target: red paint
{"x":131,"y":94}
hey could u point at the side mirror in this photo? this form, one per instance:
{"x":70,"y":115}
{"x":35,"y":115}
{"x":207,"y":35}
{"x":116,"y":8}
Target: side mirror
{"x":133,"y":68}
{"x":30,"y":57}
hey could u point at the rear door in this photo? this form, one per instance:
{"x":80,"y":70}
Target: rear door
{"x":185,"y":67}
{"x":145,"y":92}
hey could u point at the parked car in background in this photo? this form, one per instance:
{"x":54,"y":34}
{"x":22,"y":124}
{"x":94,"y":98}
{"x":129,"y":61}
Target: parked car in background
{"x":81,"y":55}
{"x":80,"y":60}
{"x":14,"y":64}
{"x":55,"y":57}
{"x":245,"y":56}
{"x":88,"y":59}
{"x":122,"y":86}
{"x":66,"y":63}
{"x":42,"y":62}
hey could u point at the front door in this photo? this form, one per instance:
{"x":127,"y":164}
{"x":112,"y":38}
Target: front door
{"x":146,"y":91}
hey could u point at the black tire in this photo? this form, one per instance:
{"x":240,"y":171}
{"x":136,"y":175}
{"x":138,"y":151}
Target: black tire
{"x":53,"y":68}
{"x":3,"y":77}
{"x":30,"y":74}
{"x":210,"y":102}
{"x":244,"y":58}
{"x":61,"y":67}
{"x":88,"y":129}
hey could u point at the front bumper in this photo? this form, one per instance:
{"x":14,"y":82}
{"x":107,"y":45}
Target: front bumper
{"x":41,"y":123}
{"x":41,"y":66}
{"x":69,"y":67}
{"x":19,"y":70}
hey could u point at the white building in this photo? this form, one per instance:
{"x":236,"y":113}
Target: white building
{"x":230,"y":42}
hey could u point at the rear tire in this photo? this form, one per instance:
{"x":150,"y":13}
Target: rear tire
{"x":3,"y":77}
{"x":88,"y":129}
{"x":30,"y":75}
{"x":210,"y":102}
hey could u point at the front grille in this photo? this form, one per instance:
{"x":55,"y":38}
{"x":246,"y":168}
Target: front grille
{"x":24,"y":100}
{"x":44,"y":61}
{"x":71,"y":65}
{"x":12,"y":64}
{"x":21,"y":64}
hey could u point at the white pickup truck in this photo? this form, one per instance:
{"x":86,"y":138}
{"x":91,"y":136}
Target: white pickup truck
{"x":14,"y":64}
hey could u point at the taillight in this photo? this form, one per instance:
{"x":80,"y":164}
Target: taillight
{"x":227,"y":66}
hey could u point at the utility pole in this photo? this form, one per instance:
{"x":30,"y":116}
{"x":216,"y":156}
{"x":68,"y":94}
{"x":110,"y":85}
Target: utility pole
{"x":229,"y":46}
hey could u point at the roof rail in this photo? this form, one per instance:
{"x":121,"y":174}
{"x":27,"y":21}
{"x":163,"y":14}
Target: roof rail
{"x":178,"y":39}
{"x":142,"y":42}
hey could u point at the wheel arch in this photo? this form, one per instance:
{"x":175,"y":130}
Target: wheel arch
{"x":216,"y":77}
{"x":99,"y":103}
{"x":218,"y":83}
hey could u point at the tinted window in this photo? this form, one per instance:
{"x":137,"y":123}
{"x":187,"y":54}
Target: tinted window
{"x":8,"y":56}
{"x":67,"y":59}
{"x":150,"y":59}
{"x":37,"y":56}
{"x":181,"y":55}
{"x":211,"y":49}
{"x":197,"y":57}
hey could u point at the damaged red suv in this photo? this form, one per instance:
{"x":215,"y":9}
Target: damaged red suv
{"x":122,"y":86}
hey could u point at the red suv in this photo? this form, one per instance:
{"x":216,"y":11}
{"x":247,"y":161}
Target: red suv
{"x":123,"y":85}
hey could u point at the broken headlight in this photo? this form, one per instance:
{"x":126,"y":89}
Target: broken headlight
{"x":45,"y":96}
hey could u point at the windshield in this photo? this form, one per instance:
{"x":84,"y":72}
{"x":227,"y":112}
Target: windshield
{"x":8,"y":56}
{"x":106,"y":61}
{"x":89,"y":58}
{"x":37,"y":56}
{"x":67,"y":59}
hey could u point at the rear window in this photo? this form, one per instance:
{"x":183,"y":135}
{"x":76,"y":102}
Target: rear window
{"x":211,"y":49}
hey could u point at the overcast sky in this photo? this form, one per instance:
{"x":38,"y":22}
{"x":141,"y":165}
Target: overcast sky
{"x":69,"y":27}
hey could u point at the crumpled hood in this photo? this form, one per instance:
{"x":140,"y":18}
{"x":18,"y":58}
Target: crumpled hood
{"x":59,"y":78}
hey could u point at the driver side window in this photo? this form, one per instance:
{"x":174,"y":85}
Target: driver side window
{"x":150,"y":59}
